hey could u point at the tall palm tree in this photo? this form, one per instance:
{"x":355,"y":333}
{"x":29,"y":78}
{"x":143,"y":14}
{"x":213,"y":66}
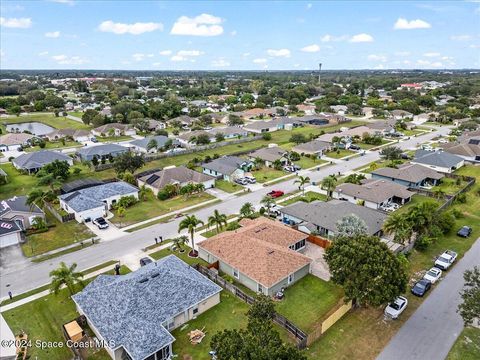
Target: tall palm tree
{"x":179,"y":242}
{"x":302,"y":181}
{"x":400,"y":226}
{"x":190,"y":222}
{"x":268,"y":202}
{"x":38,"y":197}
{"x":65,"y":275}
{"x":247,"y":210}
{"x":329,"y":184}
{"x":217,"y":219}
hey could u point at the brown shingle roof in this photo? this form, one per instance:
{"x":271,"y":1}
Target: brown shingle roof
{"x":376,"y":191}
{"x":259,"y":250}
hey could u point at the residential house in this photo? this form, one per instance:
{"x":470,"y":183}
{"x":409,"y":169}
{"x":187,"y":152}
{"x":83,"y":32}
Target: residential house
{"x":287,"y":123}
{"x":263,"y":255}
{"x":401,"y":114}
{"x":347,"y":135}
{"x":261,"y":126}
{"x":315,"y":147}
{"x":229,"y":132}
{"x":227,"y":167}
{"x":410,"y":175}
{"x":10,"y":233}
{"x":16,"y":209}
{"x":269,"y":155}
{"x":187,"y":139}
{"x":307,"y":109}
{"x":34,"y":161}
{"x":430,"y":116}
{"x":373,"y":193}
{"x":339,"y":109}
{"x":441,"y":161}
{"x":141,"y":145}
{"x":458,"y":122}
{"x":469,"y":151}
{"x":133,"y":314}
{"x":259,"y":113}
{"x":321,"y":218}
{"x":79,"y":185}
{"x":76,"y":135}
{"x":94,"y":202}
{"x":100,"y":151}
{"x":154,"y":125}
{"x":185,"y":120}
{"x":114,"y":129}
{"x":15,"y":141}
{"x":180,"y":176}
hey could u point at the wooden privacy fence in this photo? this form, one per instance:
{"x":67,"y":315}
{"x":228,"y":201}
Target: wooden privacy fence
{"x":324,"y":243}
{"x":300,"y":336}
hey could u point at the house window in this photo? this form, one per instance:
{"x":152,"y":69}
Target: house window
{"x":290,"y":278}
{"x":235,"y":273}
{"x":298,"y":246}
{"x":260,"y":288}
{"x":195,"y":310}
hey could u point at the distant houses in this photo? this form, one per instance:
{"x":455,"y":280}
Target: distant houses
{"x":114,"y":129}
{"x":438,"y":160}
{"x":15,"y":141}
{"x":160,"y":141}
{"x":100,"y":151}
{"x":227,"y":167}
{"x":76,"y":135}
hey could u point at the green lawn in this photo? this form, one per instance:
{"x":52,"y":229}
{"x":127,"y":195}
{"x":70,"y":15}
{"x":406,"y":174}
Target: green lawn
{"x":308,"y":301}
{"x":412,"y":132}
{"x":266,"y":174}
{"x":366,"y":146}
{"x":309,"y":162}
{"x":53,"y":145}
{"x":62,"y":234}
{"x":76,"y":113}
{"x":47,"y":119}
{"x":449,"y":186}
{"x":153,"y":207}
{"x":183,"y":256}
{"x":339,"y":153}
{"x":114,"y":138}
{"x":42,"y":319}
{"x":228,"y":186}
{"x":18,"y":184}
{"x":415,"y":200}
{"x":309,"y":197}
{"x":467,"y":346}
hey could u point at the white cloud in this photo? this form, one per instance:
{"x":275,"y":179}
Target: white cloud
{"x":43,"y":53}
{"x":247,"y":54}
{"x":233,"y":33}
{"x":379,"y":67}
{"x":259,"y":61}
{"x":201,"y":25}
{"x":431,"y":54}
{"x":19,"y":23}
{"x":375,"y":57}
{"x":402,"y":53}
{"x":53,"y":34}
{"x":69,"y":60}
{"x":221,"y":62}
{"x":141,"y":57}
{"x":461,"y":37}
{"x":2,"y":53}
{"x":157,"y":64}
{"x":68,"y":2}
{"x":404,"y":24}
{"x":278,"y":52}
{"x":165,"y":52}
{"x":332,"y":38}
{"x":359,"y":38}
{"x":186,"y":55}
{"x":430,"y":64}
{"x":474,"y":46}
{"x":311,"y":48}
{"x":134,"y":29}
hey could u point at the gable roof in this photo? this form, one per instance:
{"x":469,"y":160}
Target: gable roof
{"x":436,"y":158}
{"x":101,"y":150}
{"x":40,"y":158}
{"x":375,"y":191}
{"x":327,"y":214}
{"x":105,"y":128}
{"x":269,"y":153}
{"x":463,"y":149}
{"x":92,"y":197}
{"x":18,"y":203}
{"x":312,"y":146}
{"x":143,"y":143}
{"x":129,"y":309}
{"x":15,"y":138}
{"x":176,"y":175}
{"x":409,"y":172}
{"x":225,"y":165}
{"x":8,"y":227}
{"x":259,"y":250}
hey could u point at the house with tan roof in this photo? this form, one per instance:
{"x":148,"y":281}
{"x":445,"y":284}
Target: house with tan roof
{"x":469,"y":151}
{"x":269,"y":155}
{"x":115,"y":129}
{"x":409,"y":175}
{"x":14,"y":141}
{"x":263,"y":255}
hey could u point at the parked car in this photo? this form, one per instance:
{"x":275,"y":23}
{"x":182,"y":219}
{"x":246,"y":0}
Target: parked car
{"x":433,"y":275}
{"x":405,"y":156}
{"x":465,"y":231}
{"x":94,"y":140}
{"x":445,"y":260}
{"x":101,"y":223}
{"x":354,"y":147}
{"x":296,"y":167}
{"x":250,"y":179}
{"x":394,"y":309}
{"x":276,"y":193}
{"x":241,"y":181}
{"x":289,"y":168}
{"x":145,"y":261}
{"x":421,"y":287}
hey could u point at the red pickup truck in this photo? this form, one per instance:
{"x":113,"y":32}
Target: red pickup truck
{"x":275,"y":193}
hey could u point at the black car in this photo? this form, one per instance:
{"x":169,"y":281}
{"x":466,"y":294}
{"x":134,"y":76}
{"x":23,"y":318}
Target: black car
{"x":354,"y":147}
{"x":145,"y":261}
{"x":421,"y":287}
{"x":465,"y":231}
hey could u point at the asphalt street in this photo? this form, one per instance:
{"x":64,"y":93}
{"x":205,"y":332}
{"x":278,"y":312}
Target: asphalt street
{"x":433,"y":328}
{"x":19,"y":277}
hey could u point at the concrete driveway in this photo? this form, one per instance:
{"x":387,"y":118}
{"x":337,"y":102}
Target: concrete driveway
{"x":319,"y":266}
{"x":110,"y":233}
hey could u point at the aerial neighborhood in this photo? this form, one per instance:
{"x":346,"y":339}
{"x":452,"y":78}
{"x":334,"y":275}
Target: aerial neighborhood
{"x":220,"y":215}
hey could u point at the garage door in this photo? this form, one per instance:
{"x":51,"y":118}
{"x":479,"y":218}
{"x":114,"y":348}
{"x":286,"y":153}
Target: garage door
{"x":9,"y":240}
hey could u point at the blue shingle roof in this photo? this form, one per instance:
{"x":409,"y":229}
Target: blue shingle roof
{"x":38,"y":159}
{"x":129,"y":310}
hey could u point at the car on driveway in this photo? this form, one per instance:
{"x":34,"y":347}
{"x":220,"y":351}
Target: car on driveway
{"x":465,"y":231}
{"x":250,"y":179}
{"x":395,"y":308}
{"x":421,"y":287}
{"x":354,"y":147}
{"x":276,"y":193}
{"x":445,"y":260}
{"x":145,"y":261}
{"x":101,"y":223}
{"x":242,"y":181}
{"x":433,"y":275}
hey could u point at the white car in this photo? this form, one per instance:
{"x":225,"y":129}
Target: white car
{"x":394,"y":309}
{"x":445,"y":260}
{"x":433,"y":275}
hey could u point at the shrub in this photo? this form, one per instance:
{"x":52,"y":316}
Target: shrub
{"x":126,"y":201}
{"x":267,"y":136}
{"x":461,"y":198}
{"x":457,"y":214}
{"x":423,"y":242}
{"x":234,"y":225}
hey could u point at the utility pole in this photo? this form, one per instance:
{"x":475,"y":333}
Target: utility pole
{"x":319,"y":71}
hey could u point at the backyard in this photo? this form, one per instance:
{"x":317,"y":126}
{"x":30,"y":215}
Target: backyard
{"x":183,"y":256}
{"x":152,"y":207}
{"x":309,"y":197}
{"x":47,"y":119}
{"x":467,"y":346}
{"x":267,"y":174}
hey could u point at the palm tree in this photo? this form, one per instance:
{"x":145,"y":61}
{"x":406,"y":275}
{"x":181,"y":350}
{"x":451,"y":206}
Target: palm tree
{"x":400,"y":226}
{"x":329,"y":184}
{"x":190,"y":222}
{"x":144,"y":193}
{"x":179,"y":242}
{"x":277,"y":164}
{"x":217,"y":219}
{"x":38,"y":197}
{"x":439,"y":193}
{"x":257,"y":163}
{"x":302,"y":181}
{"x":247,"y":210}
{"x":67,"y":276}
{"x":268,"y":202}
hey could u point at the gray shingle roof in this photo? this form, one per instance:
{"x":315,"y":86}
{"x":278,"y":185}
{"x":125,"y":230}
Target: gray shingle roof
{"x":130,"y":311}
{"x":326,"y":214}
{"x":18,"y":203}
{"x":160,"y":139}
{"x":40,"y":158}
{"x":376,"y":191}
{"x":92,"y":197}
{"x":409,"y":172}
{"x":225,"y":165}
{"x":8,"y":227}
{"x":176,"y":175}
{"x":269,"y":154}
{"x":101,"y":150}
{"x":436,"y":158}
{"x":312,"y":146}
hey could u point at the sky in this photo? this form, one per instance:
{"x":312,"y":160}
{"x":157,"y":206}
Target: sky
{"x":239,"y":35}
